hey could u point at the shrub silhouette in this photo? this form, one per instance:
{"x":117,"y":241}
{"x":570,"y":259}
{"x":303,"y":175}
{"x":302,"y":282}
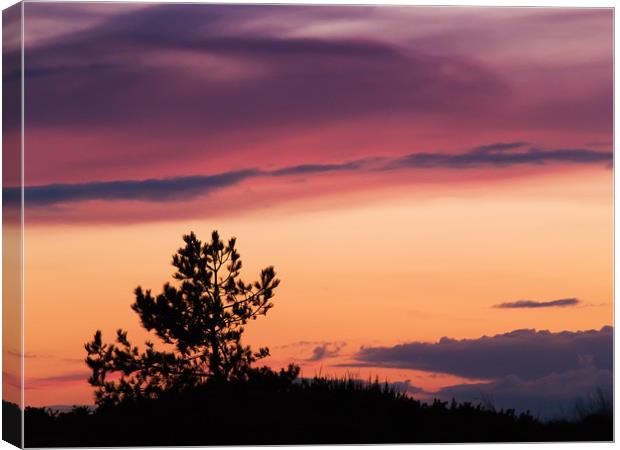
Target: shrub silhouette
{"x":202,"y":320}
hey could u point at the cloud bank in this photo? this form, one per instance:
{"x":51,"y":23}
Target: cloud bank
{"x":541,"y":371}
{"x":527,"y":354}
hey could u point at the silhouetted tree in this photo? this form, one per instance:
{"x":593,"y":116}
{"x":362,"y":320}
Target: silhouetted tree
{"x":201,"y":321}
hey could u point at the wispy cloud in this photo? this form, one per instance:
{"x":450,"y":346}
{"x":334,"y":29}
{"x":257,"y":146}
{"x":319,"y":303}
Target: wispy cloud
{"x":563,"y":302}
{"x":19,"y":354}
{"x":54,"y":380}
{"x":324,"y":351}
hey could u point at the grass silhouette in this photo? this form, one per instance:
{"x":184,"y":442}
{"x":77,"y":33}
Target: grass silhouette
{"x":270,"y":408}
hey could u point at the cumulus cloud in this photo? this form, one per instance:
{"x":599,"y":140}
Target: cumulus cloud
{"x":527,"y":354}
{"x":539,"y":304}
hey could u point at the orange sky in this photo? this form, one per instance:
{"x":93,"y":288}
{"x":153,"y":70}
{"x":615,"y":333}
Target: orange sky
{"x":373,"y":272}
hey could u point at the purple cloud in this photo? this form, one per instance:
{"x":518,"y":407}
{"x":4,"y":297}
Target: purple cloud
{"x":284,"y":80}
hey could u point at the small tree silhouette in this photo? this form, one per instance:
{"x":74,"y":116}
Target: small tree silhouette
{"x":202,"y":321}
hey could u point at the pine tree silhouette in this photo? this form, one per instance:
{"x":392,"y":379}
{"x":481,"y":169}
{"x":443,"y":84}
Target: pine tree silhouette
{"x":202,"y":320}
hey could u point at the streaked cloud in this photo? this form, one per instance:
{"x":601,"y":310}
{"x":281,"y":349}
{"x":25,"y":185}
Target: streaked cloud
{"x":188,"y":187}
{"x":563,"y":302}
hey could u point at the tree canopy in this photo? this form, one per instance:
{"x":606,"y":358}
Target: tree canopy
{"x":200,"y":321}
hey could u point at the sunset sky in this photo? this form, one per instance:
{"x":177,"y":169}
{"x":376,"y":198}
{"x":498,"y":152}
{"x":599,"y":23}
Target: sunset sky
{"x":433,"y":186}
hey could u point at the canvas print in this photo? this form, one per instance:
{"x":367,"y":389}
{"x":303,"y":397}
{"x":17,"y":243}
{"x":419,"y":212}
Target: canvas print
{"x":306,"y":224}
